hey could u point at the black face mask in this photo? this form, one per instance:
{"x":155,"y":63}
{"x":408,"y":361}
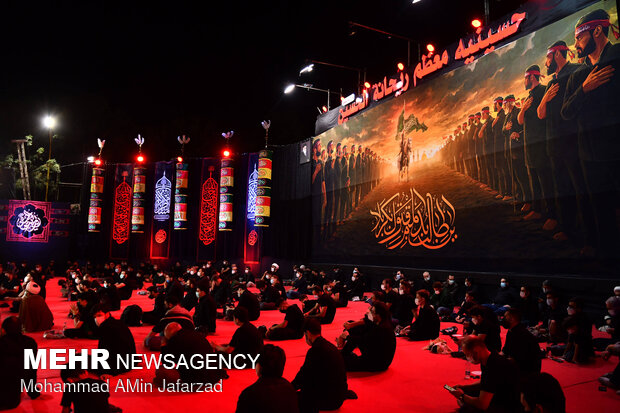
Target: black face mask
{"x":590,"y":47}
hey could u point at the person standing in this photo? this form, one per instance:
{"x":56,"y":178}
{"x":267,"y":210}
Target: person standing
{"x":592,"y":99}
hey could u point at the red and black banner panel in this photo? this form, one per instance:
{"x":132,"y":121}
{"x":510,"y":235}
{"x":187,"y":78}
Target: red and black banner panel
{"x":163,"y":210}
{"x":207,"y":217}
{"x":121,"y":215}
{"x":252,"y":232}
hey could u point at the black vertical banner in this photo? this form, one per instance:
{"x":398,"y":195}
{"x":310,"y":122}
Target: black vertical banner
{"x":252,"y":233}
{"x":163,"y":210}
{"x":208,"y":212}
{"x":121,"y":215}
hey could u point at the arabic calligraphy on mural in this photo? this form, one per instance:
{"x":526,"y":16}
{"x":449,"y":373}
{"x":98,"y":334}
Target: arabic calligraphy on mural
{"x":410,"y":219}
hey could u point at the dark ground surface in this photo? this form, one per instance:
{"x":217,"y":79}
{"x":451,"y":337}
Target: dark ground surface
{"x":491,"y":236}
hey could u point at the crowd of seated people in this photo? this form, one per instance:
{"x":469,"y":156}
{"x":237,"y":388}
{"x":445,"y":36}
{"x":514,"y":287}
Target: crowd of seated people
{"x":188,"y":301}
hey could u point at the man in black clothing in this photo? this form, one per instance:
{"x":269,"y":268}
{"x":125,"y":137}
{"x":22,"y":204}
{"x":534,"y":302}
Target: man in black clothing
{"x":592,"y":99}
{"x":159,"y":307}
{"x":108,"y":294}
{"x":115,"y":337}
{"x":271,"y":393}
{"x":186,"y":343}
{"x":404,"y":308}
{"x":500,"y":160}
{"x":246,"y":340}
{"x":325,"y":308}
{"x":426,"y":323}
{"x":390,"y":295}
{"x":300,"y":285}
{"x":175,"y":313}
{"x":270,"y":298}
{"x":535,"y":148}
{"x":543,"y":393}
{"x":505,"y":297}
{"x":12,"y":346}
{"x":520,"y":345}
{"x":572,"y":207}
{"x":291,"y":327}
{"x":205,"y":313}
{"x":249,"y":301}
{"x":174,"y":288}
{"x":498,"y":389}
{"x":513,"y":136}
{"x":486,"y":327}
{"x":84,"y":401}
{"x":375,"y":340}
{"x":322,"y":379}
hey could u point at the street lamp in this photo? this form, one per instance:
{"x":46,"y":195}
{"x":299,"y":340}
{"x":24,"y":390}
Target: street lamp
{"x":49,"y":122}
{"x":310,"y":66}
{"x":289,"y":89}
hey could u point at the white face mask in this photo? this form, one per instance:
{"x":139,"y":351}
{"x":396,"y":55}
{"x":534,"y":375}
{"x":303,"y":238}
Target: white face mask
{"x":450,"y":282}
{"x":197,"y":294}
{"x":298,"y":275}
{"x":427,"y":278}
{"x":401,"y":291}
{"x":122,"y":276}
{"x":383,"y":287}
{"x":437,"y":292}
{"x":233,"y":271}
{"x":398,"y":276}
{"x":522,"y":294}
{"x":467,"y":284}
{"x":417,"y":301}
{"x":353,"y":278}
{"x":192,"y":273}
{"x":273,"y":281}
{"x":549,"y":302}
{"x":570,"y":311}
{"x":247,"y":271}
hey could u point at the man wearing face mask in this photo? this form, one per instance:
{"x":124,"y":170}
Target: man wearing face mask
{"x":356,"y":287}
{"x":505,"y":297}
{"x":452,"y":288}
{"x":553,"y":315}
{"x":520,"y":345}
{"x":115,"y":337}
{"x":592,"y":99}
{"x":300,"y":285}
{"x":486,"y":326}
{"x":270,"y":298}
{"x":578,"y":348}
{"x":325,"y":308}
{"x":425,"y":324}
{"x":390,"y":295}
{"x":206,"y":309}
{"x":404,"y":308}
{"x":322,"y":379}
{"x":108,"y":294}
{"x":173,"y":287}
{"x":427,"y":281}
{"x":498,"y":389}
{"x":375,"y":340}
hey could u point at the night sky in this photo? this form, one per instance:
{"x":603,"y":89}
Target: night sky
{"x":113,"y":70}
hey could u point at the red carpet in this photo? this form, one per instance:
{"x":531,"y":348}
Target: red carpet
{"x":414,"y":382}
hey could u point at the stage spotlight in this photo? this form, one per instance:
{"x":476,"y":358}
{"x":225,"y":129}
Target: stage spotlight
{"x":226,"y":153}
{"x":367,"y":85}
{"x":140,"y":159}
{"x":324,"y":109}
{"x":179,"y":159}
{"x":400,"y":66}
{"x":430,"y":48}
{"x":98,"y":162}
{"x":476,"y":23}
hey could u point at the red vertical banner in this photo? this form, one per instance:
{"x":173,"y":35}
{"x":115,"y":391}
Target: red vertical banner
{"x":163,"y":210}
{"x":121,"y":218}
{"x":209,"y":195}
{"x":227,"y":180}
{"x":251,"y":250}
{"x":96,"y":200}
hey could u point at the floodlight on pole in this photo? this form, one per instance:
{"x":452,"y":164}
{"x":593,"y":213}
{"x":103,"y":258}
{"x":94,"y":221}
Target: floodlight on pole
{"x":289,"y":88}
{"x":49,"y":122}
{"x":307,"y":68}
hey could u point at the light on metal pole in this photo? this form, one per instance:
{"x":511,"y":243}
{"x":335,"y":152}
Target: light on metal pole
{"x":289,"y":88}
{"x":49,"y":122}
{"x":307,"y":68}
